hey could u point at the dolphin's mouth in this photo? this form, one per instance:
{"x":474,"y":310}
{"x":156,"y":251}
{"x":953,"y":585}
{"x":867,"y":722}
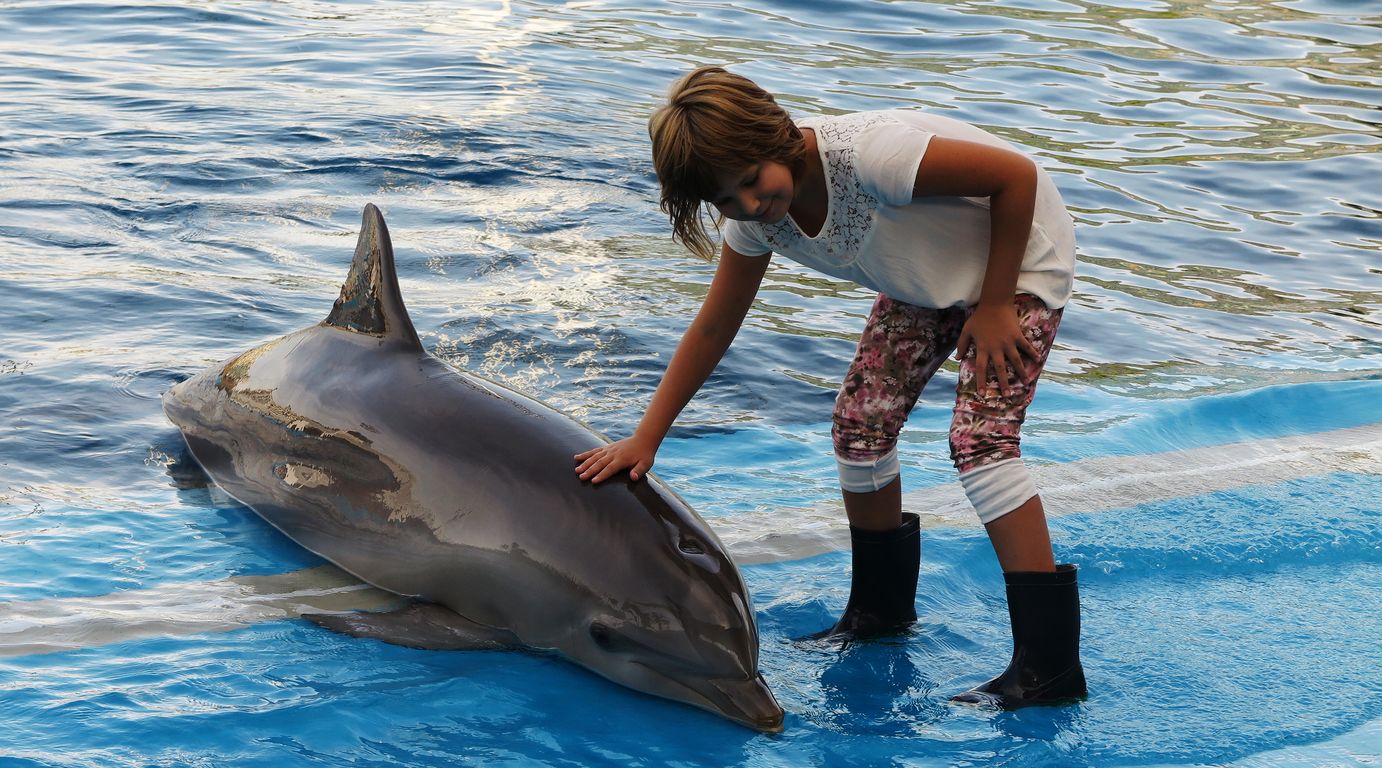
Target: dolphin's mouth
{"x":749,"y":702}
{"x":755,"y":699}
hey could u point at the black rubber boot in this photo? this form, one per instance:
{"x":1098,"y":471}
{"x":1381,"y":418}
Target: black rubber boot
{"x":883,"y":587}
{"x":1045,"y":669}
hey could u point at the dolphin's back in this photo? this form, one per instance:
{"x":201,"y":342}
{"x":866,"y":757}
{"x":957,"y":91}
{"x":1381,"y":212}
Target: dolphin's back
{"x":382,"y":460}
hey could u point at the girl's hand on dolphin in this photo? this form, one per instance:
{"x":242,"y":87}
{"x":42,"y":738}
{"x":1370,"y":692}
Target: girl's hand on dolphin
{"x":996,"y":337}
{"x":600,"y":464}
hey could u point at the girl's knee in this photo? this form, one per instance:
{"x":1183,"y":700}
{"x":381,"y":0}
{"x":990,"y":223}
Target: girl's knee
{"x":869,"y":473}
{"x":997,"y":488}
{"x":865,"y":456}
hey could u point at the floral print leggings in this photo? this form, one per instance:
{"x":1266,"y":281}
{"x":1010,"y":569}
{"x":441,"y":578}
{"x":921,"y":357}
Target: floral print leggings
{"x":901,"y":348}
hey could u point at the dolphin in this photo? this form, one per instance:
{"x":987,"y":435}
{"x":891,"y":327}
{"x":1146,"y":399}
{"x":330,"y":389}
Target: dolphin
{"x":441,"y":486}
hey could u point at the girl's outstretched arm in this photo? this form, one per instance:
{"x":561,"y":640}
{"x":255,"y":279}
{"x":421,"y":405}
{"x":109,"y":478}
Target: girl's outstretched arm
{"x":731,"y":294}
{"x":1009,"y":180}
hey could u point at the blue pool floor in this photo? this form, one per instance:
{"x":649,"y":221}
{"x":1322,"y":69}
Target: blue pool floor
{"x":1217,"y":627}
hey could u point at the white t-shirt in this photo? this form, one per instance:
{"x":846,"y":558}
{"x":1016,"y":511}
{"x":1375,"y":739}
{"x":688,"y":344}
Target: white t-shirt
{"x":931,"y":252}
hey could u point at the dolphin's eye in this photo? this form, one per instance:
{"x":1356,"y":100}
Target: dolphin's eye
{"x":691,"y":547}
{"x":601,"y":635}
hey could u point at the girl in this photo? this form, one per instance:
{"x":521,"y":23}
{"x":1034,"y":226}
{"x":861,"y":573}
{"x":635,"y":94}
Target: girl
{"x":970,"y":248}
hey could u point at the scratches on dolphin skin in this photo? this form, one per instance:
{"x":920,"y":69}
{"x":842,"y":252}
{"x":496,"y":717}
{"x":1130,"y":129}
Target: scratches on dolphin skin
{"x":481,"y":385}
{"x":359,"y":470}
{"x":302,"y":476}
{"x":234,"y":381}
{"x":261,"y":403}
{"x":357,"y":308}
{"x":345,"y":459}
{"x":234,"y":373}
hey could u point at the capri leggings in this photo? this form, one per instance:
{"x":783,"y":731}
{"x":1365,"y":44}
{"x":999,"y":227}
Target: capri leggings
{"x":901,"y":348}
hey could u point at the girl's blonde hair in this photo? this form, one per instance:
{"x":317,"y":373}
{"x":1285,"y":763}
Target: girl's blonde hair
{"x":715,"y":120}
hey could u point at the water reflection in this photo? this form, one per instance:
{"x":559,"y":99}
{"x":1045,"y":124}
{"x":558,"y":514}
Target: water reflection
{"x":875,"y":689}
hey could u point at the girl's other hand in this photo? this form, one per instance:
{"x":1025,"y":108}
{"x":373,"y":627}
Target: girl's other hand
{"x":996,"y":336}
{"x":600,"y":464}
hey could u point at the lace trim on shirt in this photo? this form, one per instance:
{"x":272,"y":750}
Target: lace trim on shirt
{"x":850,"y":223}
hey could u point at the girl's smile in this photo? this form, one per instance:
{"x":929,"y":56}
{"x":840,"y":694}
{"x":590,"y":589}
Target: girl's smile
{"x":759,"y":192}
{"x":767,"y":191}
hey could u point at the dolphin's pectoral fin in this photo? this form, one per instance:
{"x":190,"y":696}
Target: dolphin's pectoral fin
{"x":421,"y":625}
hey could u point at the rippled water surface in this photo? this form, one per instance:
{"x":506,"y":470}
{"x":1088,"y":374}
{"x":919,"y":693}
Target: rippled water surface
{"x":181,"y":181}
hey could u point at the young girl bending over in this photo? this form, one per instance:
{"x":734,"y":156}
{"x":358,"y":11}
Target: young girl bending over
{"x":970,"y":248}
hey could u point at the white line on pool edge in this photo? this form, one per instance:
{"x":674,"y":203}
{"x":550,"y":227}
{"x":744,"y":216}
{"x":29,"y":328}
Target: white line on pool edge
{"x":1090,"y":485}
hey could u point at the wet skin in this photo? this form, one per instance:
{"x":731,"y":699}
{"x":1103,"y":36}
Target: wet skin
{"x":357,"y":444}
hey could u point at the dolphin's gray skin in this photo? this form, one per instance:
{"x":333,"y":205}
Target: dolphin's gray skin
{"x":357,"y":444}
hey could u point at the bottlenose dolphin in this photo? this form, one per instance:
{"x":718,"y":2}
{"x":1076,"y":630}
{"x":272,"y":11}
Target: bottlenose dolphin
{"x":434,"y":484}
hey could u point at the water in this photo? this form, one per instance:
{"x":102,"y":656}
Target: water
{"x":179,"y":182}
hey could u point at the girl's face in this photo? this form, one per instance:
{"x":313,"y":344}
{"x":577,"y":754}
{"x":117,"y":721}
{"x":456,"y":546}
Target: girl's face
{"x":758,"y":192}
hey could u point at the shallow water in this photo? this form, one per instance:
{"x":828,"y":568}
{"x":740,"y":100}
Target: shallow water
{"x":179,"y":182}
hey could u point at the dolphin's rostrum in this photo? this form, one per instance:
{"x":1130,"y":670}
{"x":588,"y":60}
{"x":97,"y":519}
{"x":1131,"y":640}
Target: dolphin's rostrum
{"x":434,"y":484}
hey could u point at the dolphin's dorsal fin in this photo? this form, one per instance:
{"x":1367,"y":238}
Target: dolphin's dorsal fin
{"x":370,"y":301}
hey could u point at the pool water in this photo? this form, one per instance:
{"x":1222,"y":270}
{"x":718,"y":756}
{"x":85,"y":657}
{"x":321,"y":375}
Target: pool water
{"x":182,"y":181}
